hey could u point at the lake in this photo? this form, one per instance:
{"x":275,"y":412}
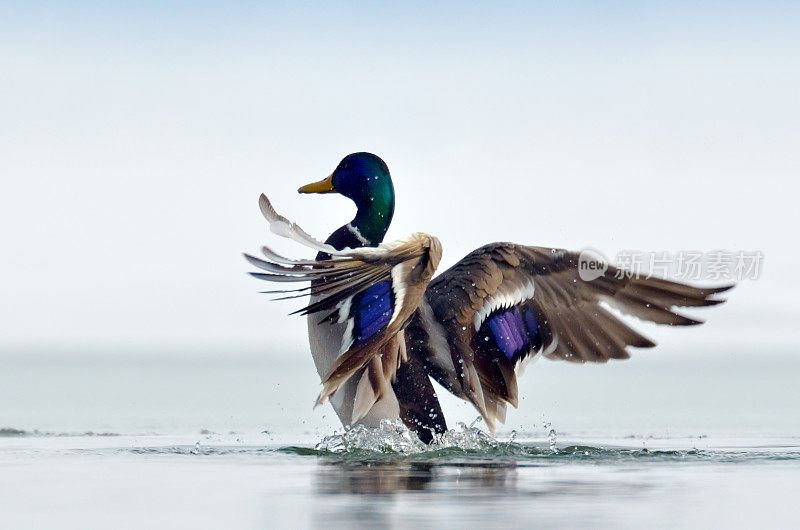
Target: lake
{"x":207,"y":439}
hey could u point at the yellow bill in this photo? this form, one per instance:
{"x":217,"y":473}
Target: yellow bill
{"x":323,"y":186}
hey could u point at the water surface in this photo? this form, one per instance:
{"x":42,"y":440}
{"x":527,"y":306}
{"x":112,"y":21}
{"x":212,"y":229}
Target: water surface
{"x":217,"y":441}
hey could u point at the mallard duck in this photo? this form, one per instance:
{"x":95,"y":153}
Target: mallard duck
{"x":380,"y":325}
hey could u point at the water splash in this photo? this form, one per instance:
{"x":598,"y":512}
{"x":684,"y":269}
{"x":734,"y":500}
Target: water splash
{"x":394,"y":437}
{"x":512,"y":437}
{"x":464,"y":437}
{"x":391,"y":437}
{"x":551,"y":436}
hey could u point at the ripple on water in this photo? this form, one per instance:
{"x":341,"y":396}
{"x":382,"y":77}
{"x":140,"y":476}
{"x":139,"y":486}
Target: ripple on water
{"x":392,"y":440}
{"x":469,"y":445}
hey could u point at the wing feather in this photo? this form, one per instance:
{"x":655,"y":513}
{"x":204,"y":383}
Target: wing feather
{"x":407,"y":264}
{"x":570,"y":318}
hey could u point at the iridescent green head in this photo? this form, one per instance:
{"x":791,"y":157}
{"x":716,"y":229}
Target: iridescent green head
{"x":364,"y":178}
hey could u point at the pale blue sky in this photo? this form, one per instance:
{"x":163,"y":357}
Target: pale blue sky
{"x":135,"y":139}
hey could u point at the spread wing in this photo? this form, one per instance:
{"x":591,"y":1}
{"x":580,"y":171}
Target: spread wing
{"x":504,"y":304}
{"x":374,"y":290}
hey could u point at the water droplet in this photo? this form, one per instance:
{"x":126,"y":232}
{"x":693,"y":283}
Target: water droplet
{"x":551,"y":436}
